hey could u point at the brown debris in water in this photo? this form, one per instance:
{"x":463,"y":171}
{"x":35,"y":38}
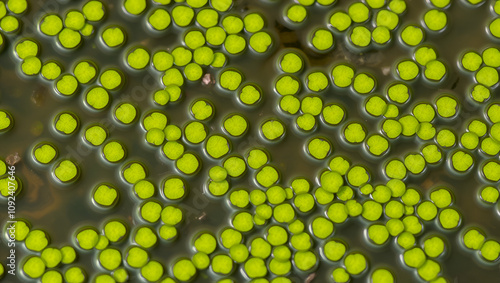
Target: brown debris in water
{"x":208,"y":80}
{"x":288,"y":37}
{"x":42,"y":197}
{"x":202,"y":216}
{"x":36,"y":128}
{"x":13,"y":159}
{"x":369,"y":59}
{"x":34,"y":182}
{"x":310,"y":278}
{"x":39,"y":95}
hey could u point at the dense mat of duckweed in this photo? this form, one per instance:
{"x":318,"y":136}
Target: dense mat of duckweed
{"x":294,"y":127}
